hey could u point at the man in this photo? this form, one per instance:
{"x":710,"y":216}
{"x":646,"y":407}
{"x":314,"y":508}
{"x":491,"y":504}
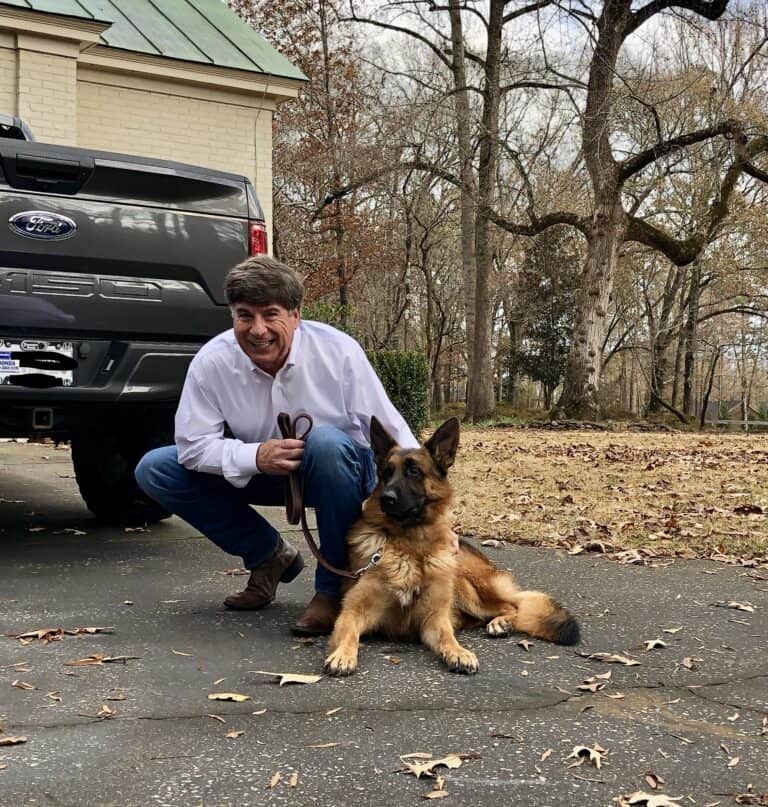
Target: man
{"x":271,"y":362}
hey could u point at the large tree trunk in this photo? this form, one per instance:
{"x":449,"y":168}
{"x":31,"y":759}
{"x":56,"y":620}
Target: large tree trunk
{"x":579,"y":398}
{"x":481,"y":401}
{"x":467,"y":193}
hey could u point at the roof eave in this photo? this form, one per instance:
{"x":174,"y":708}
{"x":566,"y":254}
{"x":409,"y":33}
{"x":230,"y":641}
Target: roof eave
{"x":278,"y":88}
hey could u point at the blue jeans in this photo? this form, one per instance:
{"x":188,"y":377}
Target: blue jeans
{"x":338,"y":476}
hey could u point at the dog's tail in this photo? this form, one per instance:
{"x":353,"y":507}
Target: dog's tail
{"x":538,"y":615}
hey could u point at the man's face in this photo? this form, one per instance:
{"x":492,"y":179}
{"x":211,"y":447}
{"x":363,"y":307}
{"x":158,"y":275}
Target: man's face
{"x":265,"y":333}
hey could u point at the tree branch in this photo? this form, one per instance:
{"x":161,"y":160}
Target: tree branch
{"x":525,"y":10}
{"x":710,"y":9}
{"x":635,"y":164}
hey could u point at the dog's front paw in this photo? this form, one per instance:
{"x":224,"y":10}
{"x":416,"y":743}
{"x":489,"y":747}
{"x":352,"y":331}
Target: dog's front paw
{"x":461,"y":661}
{"x":341,"y":663}
{"x":499,"y":626}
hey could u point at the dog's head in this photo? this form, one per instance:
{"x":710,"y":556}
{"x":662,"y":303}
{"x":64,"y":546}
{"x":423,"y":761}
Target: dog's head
{"x":413,"y":486}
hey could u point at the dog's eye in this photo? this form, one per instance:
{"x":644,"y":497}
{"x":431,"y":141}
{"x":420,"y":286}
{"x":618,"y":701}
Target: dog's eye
{"x":386,"y":472}
{"x":412,"y":469}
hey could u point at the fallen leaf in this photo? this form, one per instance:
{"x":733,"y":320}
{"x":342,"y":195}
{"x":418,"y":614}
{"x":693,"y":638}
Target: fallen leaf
{"x":616,"y":696}
{"x":750,"y":797}
{"x":218,"y":681}
{"x":672,"y":630}
{"x":293,"y":780}
{"x":419,"y":769}
{"x":333,"y":711}
{"x":649,"y":800}
{"x":54,"y":696}
{"x":583,"y":753}
{"x":180,"y":653}
{"x":733,"y":762}
{"x":12,"y":740}
{"x":105,"y":712}
{"x":591,"y":685}
{"x":546,"y":755}
{"x":612,"y":658}
{"x":653,"y":644}
{"x":23,"y":685}
{"x":228,"y":696}
{"x":393,"y":659}
{"x":323,"y":745}
{"x":233,"y":735}
{"x":99,"y":658}
{"x":217,"y":717}
{"x":260,"y":712}
{"x":291,"y":678}
{"x":46,"y":635}
{"x":689,"y":662}
{"x":276,"y":777}
{"x":436,"y":794}
{"x":737,"y":606}
{"x":653,"y":780}
{"x":733,"y":718}
{"x":525,"y":644}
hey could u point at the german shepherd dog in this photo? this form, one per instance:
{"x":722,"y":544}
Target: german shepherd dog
{"x":424,"y":586}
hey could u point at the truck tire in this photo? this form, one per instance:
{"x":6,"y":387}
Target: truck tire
{"x":105,"y":457}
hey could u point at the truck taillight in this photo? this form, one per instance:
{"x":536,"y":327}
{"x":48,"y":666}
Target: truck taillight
{"x":257,"y":238}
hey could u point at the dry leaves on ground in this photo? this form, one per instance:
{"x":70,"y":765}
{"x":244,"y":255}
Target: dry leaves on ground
{"x":638,"y":498}
{"x":228,"y":696}
{"x":12,"y":740}
{"x":583,"y":753}
{"x":99,"y":658}
{"x":611,"y":658}
{"x":46,"y":635}
{"x":648,"y":800}
{"x":290,"y":678}
{"x":426,"y":768}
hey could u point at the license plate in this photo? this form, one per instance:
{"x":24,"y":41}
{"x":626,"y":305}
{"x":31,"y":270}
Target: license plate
{"x":11,"y":364}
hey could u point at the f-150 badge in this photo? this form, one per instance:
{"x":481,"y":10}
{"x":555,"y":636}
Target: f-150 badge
{"x":42,"y":225}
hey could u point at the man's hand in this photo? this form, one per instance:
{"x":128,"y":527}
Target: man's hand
{"x":279,"y":457}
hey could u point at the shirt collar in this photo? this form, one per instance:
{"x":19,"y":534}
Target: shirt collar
{"x":293,"y":353}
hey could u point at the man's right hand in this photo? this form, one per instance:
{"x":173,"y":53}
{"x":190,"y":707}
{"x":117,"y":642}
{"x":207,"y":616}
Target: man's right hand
{"x":279,"y":457}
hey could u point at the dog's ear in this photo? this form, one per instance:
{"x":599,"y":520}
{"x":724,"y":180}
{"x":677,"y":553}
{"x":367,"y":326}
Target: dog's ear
{"x":442,"y":445}
{"x":381,"y":440}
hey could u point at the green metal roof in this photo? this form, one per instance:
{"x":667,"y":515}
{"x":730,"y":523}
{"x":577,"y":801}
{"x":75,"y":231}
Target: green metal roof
{"x":204,"y":31}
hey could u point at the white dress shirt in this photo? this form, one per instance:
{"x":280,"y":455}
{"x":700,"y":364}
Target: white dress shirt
{"x":326,"y":375}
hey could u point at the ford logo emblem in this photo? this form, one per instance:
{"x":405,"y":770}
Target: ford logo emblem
{"x":42,"y":225}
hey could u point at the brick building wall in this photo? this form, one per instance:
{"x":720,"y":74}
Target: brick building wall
{"x":160,"y":119}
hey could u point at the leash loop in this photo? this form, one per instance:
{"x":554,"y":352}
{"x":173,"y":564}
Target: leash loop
{"x":294,"y":498}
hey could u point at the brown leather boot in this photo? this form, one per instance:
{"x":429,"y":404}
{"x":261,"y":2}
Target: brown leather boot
{"x":284,"y":564}
{"x":319,"y":616}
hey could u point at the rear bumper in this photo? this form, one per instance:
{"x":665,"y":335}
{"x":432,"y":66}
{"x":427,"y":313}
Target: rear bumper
{"x":112,"y":378}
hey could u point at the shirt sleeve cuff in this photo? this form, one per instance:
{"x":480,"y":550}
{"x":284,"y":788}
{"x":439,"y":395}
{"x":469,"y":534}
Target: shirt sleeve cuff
{"x":245,"y":458}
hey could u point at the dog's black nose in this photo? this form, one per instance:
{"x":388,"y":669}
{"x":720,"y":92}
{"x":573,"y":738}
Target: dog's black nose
{"x":388,"y":498}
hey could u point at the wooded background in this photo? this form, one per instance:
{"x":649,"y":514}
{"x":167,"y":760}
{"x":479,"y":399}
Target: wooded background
{"x":562,"y":203}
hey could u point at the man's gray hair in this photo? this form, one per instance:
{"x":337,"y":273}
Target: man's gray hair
{"x":262,"y":280}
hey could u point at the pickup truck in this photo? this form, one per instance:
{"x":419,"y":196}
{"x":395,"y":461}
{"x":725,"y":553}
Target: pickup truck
{"x":111,"y":278}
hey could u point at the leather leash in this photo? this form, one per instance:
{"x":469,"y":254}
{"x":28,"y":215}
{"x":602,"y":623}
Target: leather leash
{"x":294,"y":498}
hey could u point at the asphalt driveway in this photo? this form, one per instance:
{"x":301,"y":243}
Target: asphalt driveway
{"x":690,"y":718}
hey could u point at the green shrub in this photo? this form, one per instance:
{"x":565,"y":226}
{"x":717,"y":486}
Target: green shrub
{"x":405,"y":377}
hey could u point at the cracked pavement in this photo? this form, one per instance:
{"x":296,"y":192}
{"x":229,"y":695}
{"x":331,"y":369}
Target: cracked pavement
{"x":161,"y":591}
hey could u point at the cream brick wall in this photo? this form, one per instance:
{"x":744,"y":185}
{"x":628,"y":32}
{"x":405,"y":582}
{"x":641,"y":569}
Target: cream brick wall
{"x":8,"y":81}
{"x":47,"y":95}
{"x":171,"y":126}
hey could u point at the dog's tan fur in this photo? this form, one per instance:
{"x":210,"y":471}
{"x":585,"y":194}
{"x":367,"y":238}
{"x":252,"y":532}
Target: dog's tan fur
{"x":423,"y":587}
